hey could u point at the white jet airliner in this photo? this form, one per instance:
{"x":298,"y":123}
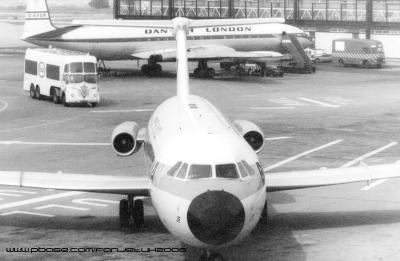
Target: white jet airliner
{"x":206,"y":182}
{"x":238,"y":40}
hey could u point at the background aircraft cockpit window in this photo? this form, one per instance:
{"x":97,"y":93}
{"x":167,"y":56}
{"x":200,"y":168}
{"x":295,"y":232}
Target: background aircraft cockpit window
{"x":249,"y":169}
{"x":242,"y":170}
{"x":226,"y":171}
{"x":182,"y":172}
{"x":76,"y":67}
{"x":171,"y":172}
{"x":199,"y":171}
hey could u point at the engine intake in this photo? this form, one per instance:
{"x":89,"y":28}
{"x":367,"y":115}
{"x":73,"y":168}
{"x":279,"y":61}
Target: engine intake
{"x":124,"y":139}
{"x":251,"y":133}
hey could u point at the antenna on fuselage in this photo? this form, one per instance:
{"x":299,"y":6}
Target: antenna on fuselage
{"x":180,"y":31}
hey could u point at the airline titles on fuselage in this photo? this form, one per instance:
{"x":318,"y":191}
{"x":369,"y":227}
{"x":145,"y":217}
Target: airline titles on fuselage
{"x":207,"y":29}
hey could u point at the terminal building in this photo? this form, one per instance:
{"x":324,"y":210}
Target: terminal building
{"x":324,"y":20}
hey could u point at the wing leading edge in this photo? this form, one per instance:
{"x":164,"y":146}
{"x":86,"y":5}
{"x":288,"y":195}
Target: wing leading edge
{"x":137,"y":186}
{"x":327,"y":177}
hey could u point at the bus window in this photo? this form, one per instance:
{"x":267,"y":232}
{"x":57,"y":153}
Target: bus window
{"x":75,"y":78}
{"x":66,"y":68}
{"x":53,"y":72}
{"x":76,"y":67}
{"x":199,"y":171}
{"x":90,"y":78}
{"x":226,"y":171}
{"x":31,"y":67}
{"x":182,"y":172}
{"x":171,"y":172}
{"x":89,"y":67}
{"x":366,"y":50}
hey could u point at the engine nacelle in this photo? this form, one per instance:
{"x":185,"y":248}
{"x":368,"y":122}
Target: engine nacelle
{"x":124,"y":139}
{"x":251,"y":133}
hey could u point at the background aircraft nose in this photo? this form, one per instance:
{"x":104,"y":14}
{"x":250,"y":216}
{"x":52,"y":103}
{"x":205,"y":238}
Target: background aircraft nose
{"x":216,"y":217}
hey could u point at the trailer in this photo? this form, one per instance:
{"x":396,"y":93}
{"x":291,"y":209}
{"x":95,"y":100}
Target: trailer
{"x":359,"y":52}
{"x":62,"y":75}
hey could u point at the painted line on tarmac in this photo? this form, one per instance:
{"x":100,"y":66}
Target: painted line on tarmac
{"x":280,"y":163}
{"x":5,"y":105}
{"x":15,"y":142}
{"x":374,"y":184}
{"x":117,"y":111}
{"x":90,"y":202}
{"x":369,"y":154}
{"x":40,"y":199}
{"x":25,"y":213}
{"x":15,"y":193}
{"x":272,"y":108}
{"x":40,"y":125}
{"x":61,"y":206}
{"x":324,"y":104}
{"x":277,"y":138}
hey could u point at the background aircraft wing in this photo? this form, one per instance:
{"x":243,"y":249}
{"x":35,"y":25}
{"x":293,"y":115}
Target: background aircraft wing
{"x":326,"y":177}
{"x":138,"y":186}
{"x":209,"y":52}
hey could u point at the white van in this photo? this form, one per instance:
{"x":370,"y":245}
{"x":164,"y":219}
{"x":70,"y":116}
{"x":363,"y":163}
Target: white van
{"x":65,"y":76}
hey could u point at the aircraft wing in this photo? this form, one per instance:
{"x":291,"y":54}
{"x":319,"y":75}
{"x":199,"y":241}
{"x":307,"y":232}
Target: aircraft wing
{"x":209,"y":52}
{"x":326,"y":177}
{"x":137,"y":186}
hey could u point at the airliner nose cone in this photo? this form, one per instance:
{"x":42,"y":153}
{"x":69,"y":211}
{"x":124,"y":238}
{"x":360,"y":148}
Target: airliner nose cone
{"x":216,"y":217}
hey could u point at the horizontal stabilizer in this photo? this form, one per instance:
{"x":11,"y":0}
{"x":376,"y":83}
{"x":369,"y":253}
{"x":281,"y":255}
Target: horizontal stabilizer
{"x":138,"y":186}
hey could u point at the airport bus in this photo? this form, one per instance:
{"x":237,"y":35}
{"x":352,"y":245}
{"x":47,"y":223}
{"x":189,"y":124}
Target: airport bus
{"x":367,"y":53}
{"x":65,"y":76}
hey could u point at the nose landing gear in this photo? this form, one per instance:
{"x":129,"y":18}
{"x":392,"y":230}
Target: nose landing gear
{"x":203,"y":71}
{"x":208,"y":256}
{"x":131,"y":213}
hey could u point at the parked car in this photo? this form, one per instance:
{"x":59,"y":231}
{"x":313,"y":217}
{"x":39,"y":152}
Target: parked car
{"x":318,"y":55}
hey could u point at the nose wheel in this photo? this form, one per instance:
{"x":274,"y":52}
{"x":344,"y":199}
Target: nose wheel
{"x":208,"y":256}
{"x":131,"y":213}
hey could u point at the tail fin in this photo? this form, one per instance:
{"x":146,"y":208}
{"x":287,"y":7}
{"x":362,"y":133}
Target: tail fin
{"x":37,"y":18}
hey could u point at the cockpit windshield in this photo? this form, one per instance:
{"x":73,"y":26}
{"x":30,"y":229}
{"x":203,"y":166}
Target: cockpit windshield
{"x":199,"y":171}
{"x":228,"y":171}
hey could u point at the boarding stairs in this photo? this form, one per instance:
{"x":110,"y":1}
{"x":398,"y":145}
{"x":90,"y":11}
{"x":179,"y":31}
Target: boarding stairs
{"x":300,"y":62}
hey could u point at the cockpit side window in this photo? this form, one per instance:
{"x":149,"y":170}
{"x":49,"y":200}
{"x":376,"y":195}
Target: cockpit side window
{"x":242,"y":170}
{"x":226,"y":171}
{"x":182,"y":172}
{"x":260,"y":169}
{"x":171,"y":172}
{"x":200,"y":171}
{"x":249,"y":169}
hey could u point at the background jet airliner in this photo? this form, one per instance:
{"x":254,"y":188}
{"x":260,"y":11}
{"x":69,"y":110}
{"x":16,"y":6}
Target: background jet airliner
{"x":206,"y":181}
{"x":238,"y":40}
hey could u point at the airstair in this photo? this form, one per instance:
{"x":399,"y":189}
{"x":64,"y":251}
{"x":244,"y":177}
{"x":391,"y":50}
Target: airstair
{"x":300,"y":62}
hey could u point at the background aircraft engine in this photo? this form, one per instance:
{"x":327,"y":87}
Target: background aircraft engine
{"x":251,"y":133}
{"x":124,"y":139}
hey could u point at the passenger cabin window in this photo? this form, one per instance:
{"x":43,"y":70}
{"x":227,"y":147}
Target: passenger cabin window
{"x":226,"y":171}
{"x":182,"y":172}
{"x":199,"y":171}
{"x":171,"y":172}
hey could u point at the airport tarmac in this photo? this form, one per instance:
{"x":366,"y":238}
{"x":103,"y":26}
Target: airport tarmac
{"x":336,"y":117}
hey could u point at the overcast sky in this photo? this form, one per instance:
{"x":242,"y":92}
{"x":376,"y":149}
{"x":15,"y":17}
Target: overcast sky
{"x":49,"y":2}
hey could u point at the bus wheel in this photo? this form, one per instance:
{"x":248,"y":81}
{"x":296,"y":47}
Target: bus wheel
{"x":56,"y":99}
{"x":32,"y":91}
{"x":366,"y":64}
{"x":37,"y":93}
{"x":64,"y":100}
